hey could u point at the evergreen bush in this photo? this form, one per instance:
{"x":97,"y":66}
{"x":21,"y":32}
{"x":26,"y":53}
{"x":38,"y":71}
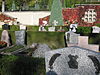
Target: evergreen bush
{"x":56,"y":13}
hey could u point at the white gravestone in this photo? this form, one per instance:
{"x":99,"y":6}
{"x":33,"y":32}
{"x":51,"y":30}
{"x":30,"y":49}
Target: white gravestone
{"x":45,"y":23}
{"x":51,"y":29}
{"x":5,"y":37}
{"x":96,"y":29}
{"x":0,"y":26}
{"x":55,"y":22}
{"x":73,"y":27}
{"x":22,"y":27}
{"x":41,"y":28}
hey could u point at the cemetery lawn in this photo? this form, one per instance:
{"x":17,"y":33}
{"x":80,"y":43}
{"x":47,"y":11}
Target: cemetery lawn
{"x":11,"y":49}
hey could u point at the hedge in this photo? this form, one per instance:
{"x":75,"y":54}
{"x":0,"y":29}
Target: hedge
{"x":52,"y":39}
{"x":14,"y":28}
{"x":98,"y":24}
{"x":84,"y":30}
{"x":32,"y":28}
{"x":36,"y":28}
{"x":21,"y":65}
{"x":66,"y":28}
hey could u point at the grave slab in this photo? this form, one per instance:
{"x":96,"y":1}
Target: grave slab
{"x":20,"y":37}
{"x":72,"y":61}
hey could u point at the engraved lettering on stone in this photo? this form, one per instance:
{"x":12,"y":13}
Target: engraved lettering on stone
{"x":96,"y":64}
{"x":73,"y":62}
{"x":52,"y":60}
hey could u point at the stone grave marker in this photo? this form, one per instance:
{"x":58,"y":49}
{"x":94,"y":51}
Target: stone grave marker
{"x":61,"y":29}
{"x":0,"y":27}
{"x":5,"y":27}
{"x":73,"y":27}
{"x":96,"y":29}
{"x":5,"y":37}
{"x":45,"y":23}
{"x":22,"y":27}
{"x":72,"y":37}
{"x":72,"y":61}
{"x":41,"y":28}
{"x":20,"y":37}
{"x":51,"y":29}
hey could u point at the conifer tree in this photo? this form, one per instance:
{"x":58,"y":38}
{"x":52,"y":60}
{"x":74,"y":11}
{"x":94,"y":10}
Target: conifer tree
{"x":56,"y":13}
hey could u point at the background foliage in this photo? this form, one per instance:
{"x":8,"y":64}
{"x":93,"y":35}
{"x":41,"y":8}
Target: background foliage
{"x":43,"y":4}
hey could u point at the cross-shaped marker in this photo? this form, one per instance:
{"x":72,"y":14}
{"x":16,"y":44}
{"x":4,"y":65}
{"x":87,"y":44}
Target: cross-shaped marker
{"x":55,"y":22}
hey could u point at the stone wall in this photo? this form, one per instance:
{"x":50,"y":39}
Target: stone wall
{"x":28,"y":18}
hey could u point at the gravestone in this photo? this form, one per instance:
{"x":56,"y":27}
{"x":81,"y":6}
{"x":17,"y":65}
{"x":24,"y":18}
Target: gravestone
{"x":20,"y":37}
{"x":61,"y":29}
{"x":71,"y":37}
{"x":51,"y":29}
{"x":5,"y":27}
{"x":0,"y":27}
{"x":73,"y":27}
{"x":40,"y":50}
{"x":22,"y":27}
{"x":72,"y":61}
{"x":41,"y":28}
{"x":96,"y":29}
{"x":5,"y":37}
{"x":45,"y":23}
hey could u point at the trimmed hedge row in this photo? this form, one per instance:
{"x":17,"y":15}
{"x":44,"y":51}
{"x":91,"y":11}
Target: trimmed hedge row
{"x":21,"y":65}
{"x":52,"y":39}
{"x":14,"y":27}
{"x":84,"y":30}
{"x":66,"y":28}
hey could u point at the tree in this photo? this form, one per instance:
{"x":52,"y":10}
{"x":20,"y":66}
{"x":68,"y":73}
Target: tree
{"x":56,"y":13}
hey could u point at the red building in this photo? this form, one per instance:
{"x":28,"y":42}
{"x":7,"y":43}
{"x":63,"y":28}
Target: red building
{"x":84,"y":15}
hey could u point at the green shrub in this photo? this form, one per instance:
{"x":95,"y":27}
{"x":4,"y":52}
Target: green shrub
{"x":14,"y":28}
{"x":98,"y":24}
{"x":52,"y":39}
{"x":32,"y":28}
{"x":21,"y":65}
{"x":84,"y":30}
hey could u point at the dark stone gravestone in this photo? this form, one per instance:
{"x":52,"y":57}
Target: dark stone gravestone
{"x":72,"y":61}
{"x":72,"y":37}
{"x":5,"y":27}
{"x":20,"y":37}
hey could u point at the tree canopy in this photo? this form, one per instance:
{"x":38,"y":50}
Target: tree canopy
{"x":43,"y":4}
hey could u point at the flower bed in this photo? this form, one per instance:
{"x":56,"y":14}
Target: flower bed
{"x":3,"y":44}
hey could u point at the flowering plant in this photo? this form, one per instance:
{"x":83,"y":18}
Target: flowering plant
{"x":3,"y":44}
